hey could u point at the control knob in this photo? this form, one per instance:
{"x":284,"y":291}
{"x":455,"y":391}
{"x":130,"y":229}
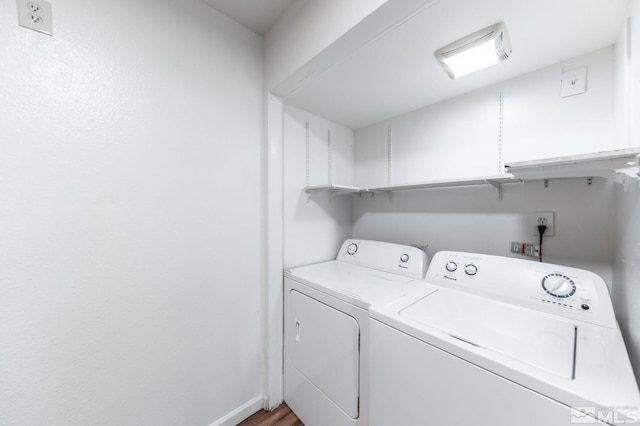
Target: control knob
{"x":352,"y":249}
{"x":558,"y":285}
{"x":451,"y":266}
{"x":404,"y":258}
{"x":471,"y":269}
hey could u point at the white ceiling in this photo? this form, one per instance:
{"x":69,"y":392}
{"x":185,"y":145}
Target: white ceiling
{"x":398,"y":72}
{"x":257,"y":15}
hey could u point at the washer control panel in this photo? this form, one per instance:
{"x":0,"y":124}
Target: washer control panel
{"x":561,"y":290}
{"x":395,"y":258}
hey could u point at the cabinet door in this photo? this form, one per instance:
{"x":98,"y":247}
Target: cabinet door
{"x":323,"y":345}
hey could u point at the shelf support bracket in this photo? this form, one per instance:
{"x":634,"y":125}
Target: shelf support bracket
{"x":366,"y":191}
{"x":496,"y":185}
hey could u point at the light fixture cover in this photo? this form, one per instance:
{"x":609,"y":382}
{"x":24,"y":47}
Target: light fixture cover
{"x":479,"y":50}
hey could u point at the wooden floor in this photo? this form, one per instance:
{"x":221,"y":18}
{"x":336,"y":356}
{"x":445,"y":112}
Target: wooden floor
{"x":281,"y":416}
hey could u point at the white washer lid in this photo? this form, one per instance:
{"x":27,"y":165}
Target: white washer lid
{"x":539,"y":340}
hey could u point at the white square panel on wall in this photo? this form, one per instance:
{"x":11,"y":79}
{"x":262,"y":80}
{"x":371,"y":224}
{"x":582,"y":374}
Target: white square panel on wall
{"x":574,"y":82}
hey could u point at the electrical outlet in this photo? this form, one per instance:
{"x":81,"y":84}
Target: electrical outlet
{"x":542,"y":218}
{"x":35,"y":15}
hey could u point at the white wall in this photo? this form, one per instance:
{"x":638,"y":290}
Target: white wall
{"x":306,"y":29}
{"x":634,"y":73}
{"x":315,"y":227}
{"x":453,"y":139}
{"x":626,"y":270}
{"x":626,"y":264}
{"x":538,"y":123}
{"x":131,"y":226}
{"x":274,"y":253}
{"x":474,"y":219}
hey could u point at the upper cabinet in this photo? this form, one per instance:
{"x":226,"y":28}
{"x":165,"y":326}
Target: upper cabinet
{"x":413,"y":124}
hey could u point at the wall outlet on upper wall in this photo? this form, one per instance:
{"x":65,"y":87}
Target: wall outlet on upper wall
{"x":35,"y":15}
{"x":542,"y":218}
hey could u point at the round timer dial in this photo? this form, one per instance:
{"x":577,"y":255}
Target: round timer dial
{"x":471,"y":269}
{"x":558,"y":285}
{"x":352,"y":249}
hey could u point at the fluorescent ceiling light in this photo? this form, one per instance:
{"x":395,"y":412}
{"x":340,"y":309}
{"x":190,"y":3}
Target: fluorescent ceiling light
{"x":479,"y":50}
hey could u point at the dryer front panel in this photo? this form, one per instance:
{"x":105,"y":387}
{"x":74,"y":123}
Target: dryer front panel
{"x":323,"y":344}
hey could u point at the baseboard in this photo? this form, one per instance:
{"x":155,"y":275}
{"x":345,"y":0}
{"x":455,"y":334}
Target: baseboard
{"x":234,"y":417}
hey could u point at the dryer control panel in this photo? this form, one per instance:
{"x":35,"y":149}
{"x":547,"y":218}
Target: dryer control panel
{"x":560,"y":290}
{"x":394,"y":258}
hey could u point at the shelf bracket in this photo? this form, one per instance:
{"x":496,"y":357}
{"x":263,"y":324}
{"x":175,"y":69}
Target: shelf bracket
{"x":496,"y":185}
{"x":331,"y":192}
{"x":629,"y":177}
{"x":366,"y":191}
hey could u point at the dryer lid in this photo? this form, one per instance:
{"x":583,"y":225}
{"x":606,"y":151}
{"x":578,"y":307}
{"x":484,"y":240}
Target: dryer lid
{"x":538,"y":339}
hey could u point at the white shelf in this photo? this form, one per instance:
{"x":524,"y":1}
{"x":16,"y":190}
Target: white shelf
{"x":334,"y":189}
{"x":617,"y":165}
{"x":495,"y":181}
{"x":609,"y":164}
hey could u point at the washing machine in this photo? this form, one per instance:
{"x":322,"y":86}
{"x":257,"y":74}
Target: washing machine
{"x":326,"y":329}
{"x":500,"y":341}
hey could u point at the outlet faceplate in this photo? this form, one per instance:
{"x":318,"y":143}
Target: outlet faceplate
{"x":543,"y":218}
{"x":527,"y":249}
{"x":35,"y":15}
{"x":574,"y":82}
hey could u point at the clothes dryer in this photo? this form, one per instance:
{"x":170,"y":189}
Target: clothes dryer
{"x":326,"y":327}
